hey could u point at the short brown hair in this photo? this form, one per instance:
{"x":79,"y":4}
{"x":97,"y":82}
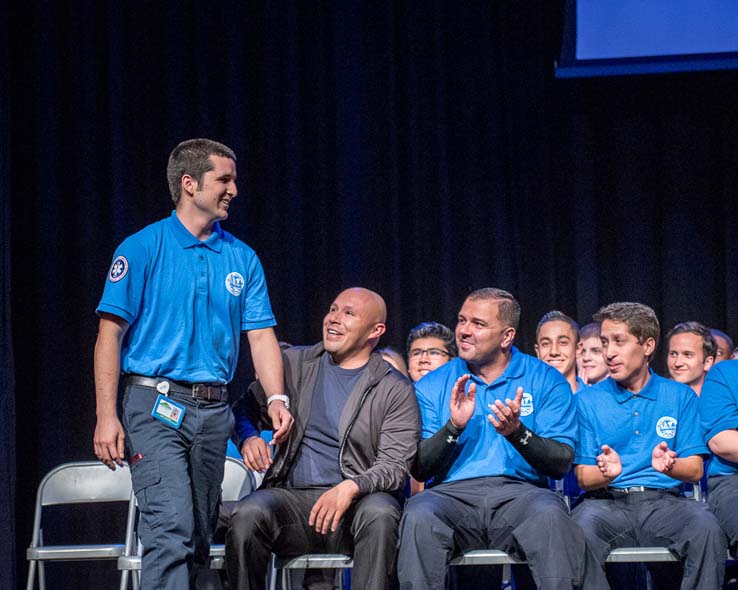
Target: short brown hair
{"x":558,"y":316}
{"x":192,"y":157}
{"x":709,"y":346}
{"x":591,"y":330}
{"x":508,"y":309}
{"x":640,"y":319}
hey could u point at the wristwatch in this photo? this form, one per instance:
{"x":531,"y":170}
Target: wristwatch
{"x":278,"y":397}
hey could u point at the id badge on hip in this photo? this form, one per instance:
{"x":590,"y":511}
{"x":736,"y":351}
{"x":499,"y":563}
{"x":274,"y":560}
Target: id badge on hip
{"x":168,"y":411}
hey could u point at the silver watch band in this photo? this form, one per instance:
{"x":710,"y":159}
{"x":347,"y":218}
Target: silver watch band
{"x":279,"y":397}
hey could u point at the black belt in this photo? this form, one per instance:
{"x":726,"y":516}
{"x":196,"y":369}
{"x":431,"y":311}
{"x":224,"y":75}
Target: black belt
{"x":633,"y":489}
{"x":212,"y":392}
{"x":610,"y":493}
{"x":675,"y":491}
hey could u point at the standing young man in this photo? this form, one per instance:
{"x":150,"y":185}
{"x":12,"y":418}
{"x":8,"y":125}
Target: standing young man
{"x":177,"y":296}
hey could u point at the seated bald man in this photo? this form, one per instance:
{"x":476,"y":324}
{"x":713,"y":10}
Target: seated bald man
{"x":335,"y":484}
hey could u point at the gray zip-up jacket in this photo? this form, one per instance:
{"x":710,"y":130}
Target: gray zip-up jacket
{"x":378,"y":430}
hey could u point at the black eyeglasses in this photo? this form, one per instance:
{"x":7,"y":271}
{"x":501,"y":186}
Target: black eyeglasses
{"x":434,"y":353}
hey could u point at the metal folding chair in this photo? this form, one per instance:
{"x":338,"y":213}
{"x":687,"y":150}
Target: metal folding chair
{"x":305,"y":562}
{"x":237,"y":483}
{"x":82,"y":482}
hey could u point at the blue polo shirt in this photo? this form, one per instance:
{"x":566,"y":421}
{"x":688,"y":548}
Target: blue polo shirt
{"x":719,"y":410}
{"x":547,"y":409}
{"x":186,"y":301}
{"x":580,"y":385}
{"x":633,"y":424}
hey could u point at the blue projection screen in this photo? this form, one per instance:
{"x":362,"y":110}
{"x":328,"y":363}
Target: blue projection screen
{"x":612,"y":37}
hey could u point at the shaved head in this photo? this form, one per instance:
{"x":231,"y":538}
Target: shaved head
{"x":375,"y":305}
{"x":353,"y":326}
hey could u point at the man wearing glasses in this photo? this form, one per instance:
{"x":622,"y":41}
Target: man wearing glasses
{"x":429,"y":345}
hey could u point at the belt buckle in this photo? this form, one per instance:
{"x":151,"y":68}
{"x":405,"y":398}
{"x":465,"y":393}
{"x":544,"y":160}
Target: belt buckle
{"x":633,"y":489}
{"x":200,"y":389}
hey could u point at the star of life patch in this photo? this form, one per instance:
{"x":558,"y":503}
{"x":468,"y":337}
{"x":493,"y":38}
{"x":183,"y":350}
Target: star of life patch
{"x":118,"y":269}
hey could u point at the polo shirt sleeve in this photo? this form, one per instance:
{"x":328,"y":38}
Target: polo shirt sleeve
{"x":689,"y":430}
{"x":557,"y":417}
{"x":429,"y":411}
{"x":257,"y":310}
{"x":719,"y":400}
{"x":125,"y":282}
{"x":586,"y":449}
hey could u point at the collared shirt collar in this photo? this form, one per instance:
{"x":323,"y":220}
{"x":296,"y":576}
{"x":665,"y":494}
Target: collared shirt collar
{"x":622,"y":395}
{"x":186,"y":240}
{"x":513,"y":370}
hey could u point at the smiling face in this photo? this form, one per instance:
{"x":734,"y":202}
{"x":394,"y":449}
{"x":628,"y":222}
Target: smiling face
{"x":480,"y":335}
{"x":556,"y":346}
{"x":426,"y":354}
{"x":686,"y":359}
{"x":352,"y":326}
{"x":591,"y":365}
{"x":212,"y":196}
{"x":626,"y":358}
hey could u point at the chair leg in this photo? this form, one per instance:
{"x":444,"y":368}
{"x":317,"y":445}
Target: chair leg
{"x":31,"y":574}
{"x":272,"y":574}
{"x":286,"y":581}
{"x":124,"y":579}
{"x":41,"y":575}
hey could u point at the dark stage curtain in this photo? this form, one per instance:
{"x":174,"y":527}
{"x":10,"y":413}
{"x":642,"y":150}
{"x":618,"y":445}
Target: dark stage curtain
{"x":7,"y":372}
{"x":421,"y":151}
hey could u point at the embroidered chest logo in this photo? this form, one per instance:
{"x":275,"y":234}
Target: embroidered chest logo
{"x":234,"y":283}
{"x":118,"y":269}
{"x":666,"y":427}
{"x":526,"y":404}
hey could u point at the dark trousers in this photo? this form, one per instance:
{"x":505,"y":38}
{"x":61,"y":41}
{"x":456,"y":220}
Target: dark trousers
{"x":496,"y":513}
{"x":275,"y":520}
{"x":177,"y":484}
{"x":657,"y":519}
{"x":723,"y":501}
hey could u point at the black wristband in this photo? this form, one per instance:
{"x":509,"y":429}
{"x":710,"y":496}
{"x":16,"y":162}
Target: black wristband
{"x":436,"y":453}
{"x":453,"y":430}
{"x":521,"y":435}
{"x":547,"y":456}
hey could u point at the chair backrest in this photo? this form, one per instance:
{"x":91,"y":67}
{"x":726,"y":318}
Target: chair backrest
{"x":82,"y":482}
{"x":237,"y":480}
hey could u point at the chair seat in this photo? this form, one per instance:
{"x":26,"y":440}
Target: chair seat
{"x":217,"y":557}
{"x":641,"y":554}
{"x":623,"y":555}
{"x":485,"y":557}
{"x":72,"y":552}
{"x":315,"y":560}
{"x":133,"y":562}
